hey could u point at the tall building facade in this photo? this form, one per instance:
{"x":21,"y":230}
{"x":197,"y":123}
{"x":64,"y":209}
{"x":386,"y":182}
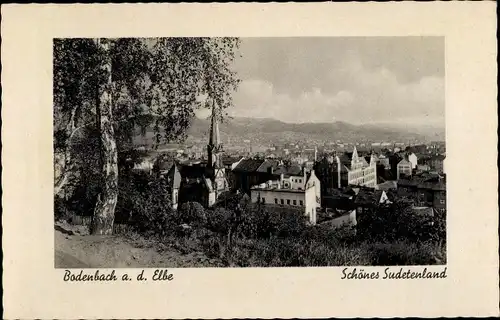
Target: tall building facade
{"x":347,"y":169}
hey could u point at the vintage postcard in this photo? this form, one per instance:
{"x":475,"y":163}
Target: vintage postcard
{"x":249,"y":160}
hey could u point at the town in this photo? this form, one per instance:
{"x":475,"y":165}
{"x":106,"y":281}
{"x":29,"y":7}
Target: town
{"x":330,"y":183}
{"x":217,"y":152}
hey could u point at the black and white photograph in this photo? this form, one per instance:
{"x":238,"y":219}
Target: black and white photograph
{"x":249,"y":152}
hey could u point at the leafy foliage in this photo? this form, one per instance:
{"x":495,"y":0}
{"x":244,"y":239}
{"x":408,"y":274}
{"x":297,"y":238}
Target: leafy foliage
{"x":398,"y":221}
{"x":144,"y":203}
{"x":192,"y":213}
{"x":156,"y":82}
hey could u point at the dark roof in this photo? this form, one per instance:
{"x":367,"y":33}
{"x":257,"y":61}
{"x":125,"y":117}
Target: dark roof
{"x":387,"y":185}
{"x":438,"y":157}
{"x":368,"y":197}
{"x":267,"y":164}
{"x":192,"y":171}
{"x":175,"y":175}
{"x":248,"y":165}
{"x":228,"y":160}
{"x":294,"y":170}
{"x":436,"y":186}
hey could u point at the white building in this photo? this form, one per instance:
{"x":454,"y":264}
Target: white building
{"x":404,"y":167}
{"x":356,"y":170}
{"x":413,"y":160}
{"x":301,"y":192}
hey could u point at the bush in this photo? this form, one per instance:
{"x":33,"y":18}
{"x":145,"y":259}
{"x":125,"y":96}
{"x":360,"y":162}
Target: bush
{"x":403,"y":253}
{"x":263,"y":222}
{"x":192,"y":213}
{"x":148,"y":209}
{"x":288,"y":224}
{"x":398,"y":222}
{"x":278,"y":252}
{"x":220,"y":220}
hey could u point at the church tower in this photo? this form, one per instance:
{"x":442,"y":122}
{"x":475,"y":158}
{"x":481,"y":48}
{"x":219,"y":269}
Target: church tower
{"x":215,"y":150}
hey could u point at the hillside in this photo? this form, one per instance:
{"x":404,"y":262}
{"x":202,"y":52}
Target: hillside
{"x":245,"y":127}
{"x":271,"y":130}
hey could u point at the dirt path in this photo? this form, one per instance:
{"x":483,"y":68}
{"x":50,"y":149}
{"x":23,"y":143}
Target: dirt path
{"x":75,"y":249}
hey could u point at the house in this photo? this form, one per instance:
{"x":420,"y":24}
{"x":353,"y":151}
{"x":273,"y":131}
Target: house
{"x":383,"y":160}
{"x":295,"y":192}
{"x":328,"y":173}
{"x":347,"y":169}
{"x":246,"y":174}
{"x":404,"y":169}
{"x":413,"y":158}
{"x":425,"y":191}
{"x":250,"y":172}
{"x":436,"y":163}
{"x":394,"y":159}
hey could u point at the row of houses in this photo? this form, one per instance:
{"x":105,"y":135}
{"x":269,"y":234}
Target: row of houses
{"x":318,"y":188}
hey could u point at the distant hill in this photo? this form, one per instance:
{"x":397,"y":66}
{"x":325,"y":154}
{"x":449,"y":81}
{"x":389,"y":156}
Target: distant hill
{"x":263,"y":129}
{"x":256,"y":127}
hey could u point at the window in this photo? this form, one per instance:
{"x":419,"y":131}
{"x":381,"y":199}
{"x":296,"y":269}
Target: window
{"x":276,"y":200}
{"x":294,"y":202}
{"x":301,"y":202}
{"x":282,"y":201}
{"x":287,"y":201}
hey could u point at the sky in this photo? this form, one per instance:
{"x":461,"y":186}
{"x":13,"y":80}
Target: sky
{"x":358,"y":80}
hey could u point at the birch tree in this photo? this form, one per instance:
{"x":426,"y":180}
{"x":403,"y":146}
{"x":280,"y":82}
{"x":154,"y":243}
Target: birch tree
{"x":117,"y":86}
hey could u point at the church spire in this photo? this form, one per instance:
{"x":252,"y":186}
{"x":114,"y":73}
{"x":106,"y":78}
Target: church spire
{"x":214,"y":139}
{"x":214,"y":146}
{"x":355,"y":153}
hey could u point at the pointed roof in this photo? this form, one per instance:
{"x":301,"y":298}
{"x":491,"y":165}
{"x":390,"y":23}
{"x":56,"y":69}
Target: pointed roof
{"x":355,"y":153}
{"x":369,"y":197}
{"x":175,"y":175}
{"x":214,"y":139}
{"x":404,"y":161}
{"x":248,"y":165}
